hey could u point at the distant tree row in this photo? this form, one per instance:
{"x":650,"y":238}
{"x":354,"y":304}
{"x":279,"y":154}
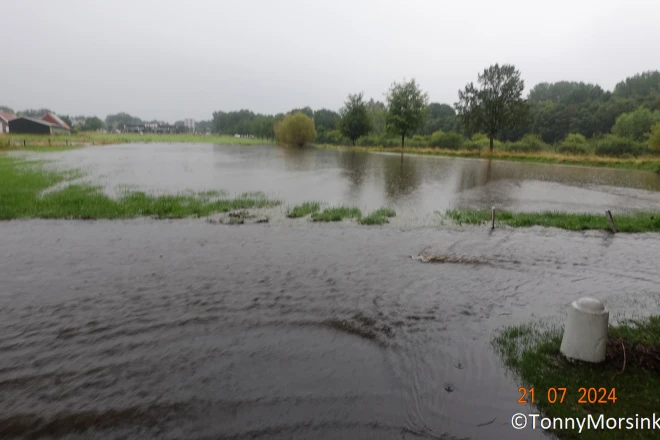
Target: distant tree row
{"x":494,"y":106}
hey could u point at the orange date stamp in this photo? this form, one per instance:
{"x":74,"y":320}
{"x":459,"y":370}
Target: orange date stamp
{"x":560,"y":395}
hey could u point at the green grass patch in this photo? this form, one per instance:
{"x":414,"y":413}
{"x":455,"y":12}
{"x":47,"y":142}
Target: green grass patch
{"x":304,"y":209}
{"x":629,"y":222}
{"x":22,"y":184}
{"x":532,"y":353}
{"x":378,"y":217}
{"x":336,"y":214}
{"x":36,"y":142}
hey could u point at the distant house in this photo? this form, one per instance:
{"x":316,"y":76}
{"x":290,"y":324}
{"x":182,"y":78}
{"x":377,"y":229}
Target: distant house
{"x":4,"y":121}
{"x":25,"y":125}
{"x":54,"y":119}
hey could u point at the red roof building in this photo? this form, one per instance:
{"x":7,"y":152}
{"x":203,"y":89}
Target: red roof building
{"x":4,"y":121}
{"x":54,"y":119}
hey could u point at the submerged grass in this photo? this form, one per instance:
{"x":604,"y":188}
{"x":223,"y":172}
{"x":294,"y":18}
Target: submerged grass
{"x":304,"y":209}
{"x":22,"y":184}
{"x":532,"y":353}
{"x":378,"y":217}
{"x":59,"y":142}
{"x":336,"y":214}
{"x":647,"y":163}
{"x":629,"y":222}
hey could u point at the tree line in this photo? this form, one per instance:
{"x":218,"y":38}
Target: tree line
{"x":494,"y":109}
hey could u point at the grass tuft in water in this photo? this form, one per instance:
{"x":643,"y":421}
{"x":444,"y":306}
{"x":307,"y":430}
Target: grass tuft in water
{"x":532,"y":353}
{"x":336,"y":214}
{"x":304,"y":209}
{"x":630,"y":222}
{"x":22,"y":184}
{"x":378,"y":217}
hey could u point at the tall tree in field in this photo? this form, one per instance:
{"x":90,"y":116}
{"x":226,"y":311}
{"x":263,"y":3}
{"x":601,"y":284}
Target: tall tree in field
{"x":406,"y":109}
{"x":354,"y":121}
{"x":495,"y":104}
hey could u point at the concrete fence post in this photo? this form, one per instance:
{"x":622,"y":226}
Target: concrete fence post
{"x":585,"y":333}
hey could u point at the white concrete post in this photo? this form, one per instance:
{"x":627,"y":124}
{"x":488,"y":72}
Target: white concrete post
{"x":585,"y":334}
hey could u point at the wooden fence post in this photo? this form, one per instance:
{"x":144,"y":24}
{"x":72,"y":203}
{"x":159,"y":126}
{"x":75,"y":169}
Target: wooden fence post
{"x":610,"y":220}
{"x":492,"y":217}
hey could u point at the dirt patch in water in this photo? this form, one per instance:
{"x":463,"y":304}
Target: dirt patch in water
{"x":428,"y":257}
{"x":364,"y":327}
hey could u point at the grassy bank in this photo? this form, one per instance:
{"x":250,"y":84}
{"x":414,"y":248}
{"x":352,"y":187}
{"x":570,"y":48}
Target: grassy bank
{"x":21,"y":141}
{"x":632,"y":368}
{"x":22,"y":184}
{"x":647,"y":163}
{"x":635,"y":222}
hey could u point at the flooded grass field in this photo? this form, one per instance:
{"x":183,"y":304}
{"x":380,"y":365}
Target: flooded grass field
{"x":419,"y":185}
{"x":182,"y":329}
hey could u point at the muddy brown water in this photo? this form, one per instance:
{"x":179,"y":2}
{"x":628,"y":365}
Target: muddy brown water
{"x":414,"y":187}
{"x":186,"y":330}
{"x":183,"y":330}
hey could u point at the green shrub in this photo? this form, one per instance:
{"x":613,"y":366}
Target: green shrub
{"x":636,"y":125}
{"x":450,"y":141}
{"x":296,"y":130}
{"x":654,"y":139}
{"x":573,"y":149}
{"x":374,"y":140}
{"x":530,"y":143}
{"x":575,"y":139}
{"x":333,"y":137}
{"x":616,"y":146}
{"x":479,"y":138}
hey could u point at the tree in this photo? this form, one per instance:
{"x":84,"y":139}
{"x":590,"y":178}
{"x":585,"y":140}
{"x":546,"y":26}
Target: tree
{"x":496,"y":105}
{"x":406,"y":109}
{"x":325,"y":119}
{"x":377,"y":115}
{"x":93,"y":124}
{"x":306,"y":110}
{"x":439,"y":117}
{"x":637,"y":124}
{"x":206,"y":126}
{"x":66,"y":119}
{"x":654,"y":139}
{"x":121,"y":119}
{"x":639,"y":86}
{"x":296,"y":129}
{"x":354,"y":121}
{"x":5,"y":109}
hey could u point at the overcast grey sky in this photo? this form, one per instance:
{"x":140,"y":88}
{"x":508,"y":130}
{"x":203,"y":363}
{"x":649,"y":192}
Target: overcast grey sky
{"x":171,"y":59}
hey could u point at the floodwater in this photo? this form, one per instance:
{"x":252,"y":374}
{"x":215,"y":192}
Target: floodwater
{"x":183,"y":329}
{"x":419,"y":185}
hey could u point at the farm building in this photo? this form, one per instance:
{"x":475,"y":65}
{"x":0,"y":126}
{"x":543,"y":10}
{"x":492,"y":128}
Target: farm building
{"x":4,"y":121}
{"x":54,"y":119}
{"x":25,"y":125}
